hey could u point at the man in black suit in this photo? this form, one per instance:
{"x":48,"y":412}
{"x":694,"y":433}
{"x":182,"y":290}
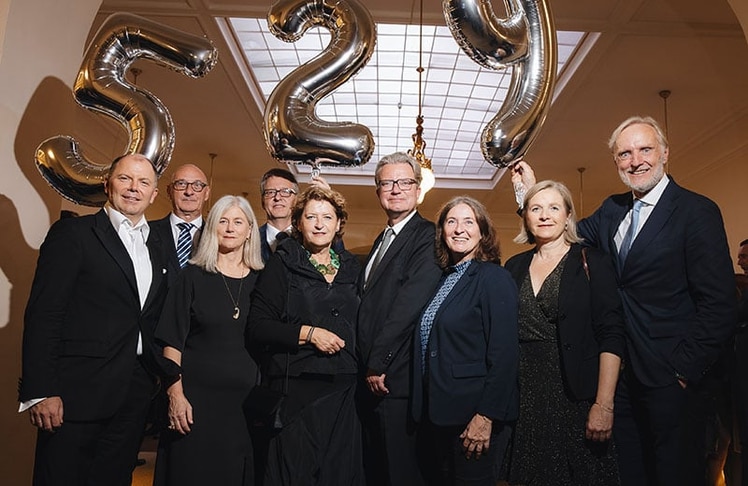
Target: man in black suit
{"x":180,"y":230}
{"x":400,"y":276}
{"x":88,"y":348}
{"x":676,"y":285}
{"x":278,"y":190}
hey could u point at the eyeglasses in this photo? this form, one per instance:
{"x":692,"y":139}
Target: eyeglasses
{"x":196,"y":186}
{"x":285,"y":192}
{"x":403,"y":184}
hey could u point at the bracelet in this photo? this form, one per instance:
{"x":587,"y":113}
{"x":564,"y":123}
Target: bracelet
{"x":605,"y":409}
{"x":309,"y":335}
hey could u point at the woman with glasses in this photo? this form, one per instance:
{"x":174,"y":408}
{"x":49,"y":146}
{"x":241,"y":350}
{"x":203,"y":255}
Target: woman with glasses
{"x":304,"y":309}
{"x":202,"y":329}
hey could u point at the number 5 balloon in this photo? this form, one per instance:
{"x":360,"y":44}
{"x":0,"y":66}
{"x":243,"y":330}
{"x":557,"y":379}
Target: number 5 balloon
{"x":527,"y":41}
{"x":293,"y":132}
{"x":101,"y":86}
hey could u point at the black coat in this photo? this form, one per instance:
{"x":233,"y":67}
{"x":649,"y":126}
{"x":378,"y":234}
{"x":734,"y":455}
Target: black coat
{"x":397,"y":291}
{"x":289,"y":293}
{"x":590,"y":316}
{"x":677,"y":286}
{"x":472,"y":353}
{"x":83,"y":318}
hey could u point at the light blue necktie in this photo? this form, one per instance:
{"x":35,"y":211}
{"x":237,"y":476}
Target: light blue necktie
{"x":628,"y":239}
{"x":184,"y":243}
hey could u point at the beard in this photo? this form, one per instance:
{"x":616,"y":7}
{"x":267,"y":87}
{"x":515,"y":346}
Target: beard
{"x":656,"y":174}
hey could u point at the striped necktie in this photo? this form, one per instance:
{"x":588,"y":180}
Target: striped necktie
{"x":184,"y":243}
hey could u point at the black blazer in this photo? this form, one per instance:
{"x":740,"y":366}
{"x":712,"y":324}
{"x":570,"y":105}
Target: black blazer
{"x":397,"y":291}
{"x":83,"y":316}
{"x":677,"y":285}
{"x":165,"y":235}
{"x":590,"y":316}
{"x":473,"y":353}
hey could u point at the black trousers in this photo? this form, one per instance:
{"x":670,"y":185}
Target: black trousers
{"x":389,"y":441}
{"x":660,"y":433}
{"x":96,"y":453}
{"x":442,"y":457}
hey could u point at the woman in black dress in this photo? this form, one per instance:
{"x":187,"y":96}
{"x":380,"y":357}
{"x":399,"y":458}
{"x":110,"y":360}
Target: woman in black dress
{"x":202,"y":330}
{"x":304,"y":308}
{"x":571,"y":339}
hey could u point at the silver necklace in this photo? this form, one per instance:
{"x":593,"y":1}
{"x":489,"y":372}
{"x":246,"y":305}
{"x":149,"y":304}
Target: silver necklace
{"x":237,"y":311}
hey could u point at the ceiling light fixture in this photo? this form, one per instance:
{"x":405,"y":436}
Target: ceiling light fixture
{"x":427,"y":175}
{"x":665,"y":94}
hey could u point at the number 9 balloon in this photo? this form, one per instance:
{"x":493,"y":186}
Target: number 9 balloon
{"x":527,"y":41}
{"x":101,"y":86}
{"x":293,"y":133}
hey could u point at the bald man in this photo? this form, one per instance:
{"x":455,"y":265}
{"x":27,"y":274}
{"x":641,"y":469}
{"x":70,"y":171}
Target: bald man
{"x":89,"y":358}
{"x":188,"y":191}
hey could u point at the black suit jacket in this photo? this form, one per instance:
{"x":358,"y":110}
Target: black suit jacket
{"x":590,"y":316}
{"x":473,"y":353}
{"x":162,"y":227}
{"x":397,"y":291}
{"x":83,"y":317}
{"x":677,"y":285}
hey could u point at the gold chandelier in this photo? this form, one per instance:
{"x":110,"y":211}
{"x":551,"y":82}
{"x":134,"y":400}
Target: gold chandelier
{"x":419,"y":144}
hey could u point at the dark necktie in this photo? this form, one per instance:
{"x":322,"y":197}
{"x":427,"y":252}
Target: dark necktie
{"x":184,"y":243}
{"x":386,"y":239}
{"x":628,"y":238}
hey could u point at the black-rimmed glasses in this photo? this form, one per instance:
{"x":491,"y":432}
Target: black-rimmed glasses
{"x":182,"y":185}
{"x":285,"y":192}
{"x":403,"y":184}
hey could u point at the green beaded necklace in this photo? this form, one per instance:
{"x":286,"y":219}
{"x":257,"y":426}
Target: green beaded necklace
{"x":328,"y":269}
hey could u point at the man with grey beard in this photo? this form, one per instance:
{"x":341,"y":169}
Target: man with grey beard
{"x":676,"y":283}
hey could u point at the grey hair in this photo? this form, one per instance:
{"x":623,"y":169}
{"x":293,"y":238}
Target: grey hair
{"x":207,"y":251}
{"x":398,"y":158}
{"x":637,"y":120}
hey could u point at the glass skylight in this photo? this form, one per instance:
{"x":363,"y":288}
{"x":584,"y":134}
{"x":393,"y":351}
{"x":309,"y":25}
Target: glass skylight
{"x":459,"y":96}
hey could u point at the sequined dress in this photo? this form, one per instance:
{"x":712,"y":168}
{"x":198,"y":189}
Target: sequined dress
{"x":549,"y":447}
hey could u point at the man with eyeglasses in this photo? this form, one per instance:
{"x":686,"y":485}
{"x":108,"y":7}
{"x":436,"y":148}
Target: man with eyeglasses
{"x":188,"y":192}
{"x":278,"y":190}
{"x":400,"y":276}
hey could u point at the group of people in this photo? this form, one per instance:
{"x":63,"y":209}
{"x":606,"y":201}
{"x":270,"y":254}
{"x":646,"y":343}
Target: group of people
{"x":580,"y":362}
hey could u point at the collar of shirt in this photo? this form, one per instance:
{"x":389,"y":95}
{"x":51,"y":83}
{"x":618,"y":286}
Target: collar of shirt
{"x":271,"y":232}
{"x":118,"y":219}
{"x":460,"y":268}
{"x":653,"y":196}
{"x":197,"y":223}
{"x":397,"y":228}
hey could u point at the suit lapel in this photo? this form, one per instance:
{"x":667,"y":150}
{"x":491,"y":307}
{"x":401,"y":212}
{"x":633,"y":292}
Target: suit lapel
{"x":158,"y":269}
{"x":397,"y":243}
{"x":661,"y":213}
{"x":459,"y":286}
{"x":109,"y":238}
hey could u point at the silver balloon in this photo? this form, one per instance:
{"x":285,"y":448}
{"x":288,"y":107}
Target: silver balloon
{"x":101,"y":86}
{"x":293,"y":133}
{"x":526,"y":41}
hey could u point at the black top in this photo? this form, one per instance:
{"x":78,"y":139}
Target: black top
{"x":290,"y":293}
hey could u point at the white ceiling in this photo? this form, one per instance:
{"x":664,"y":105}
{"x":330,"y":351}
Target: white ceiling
{"x":697,"y":51}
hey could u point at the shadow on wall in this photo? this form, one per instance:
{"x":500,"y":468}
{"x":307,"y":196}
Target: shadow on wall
{"x":18,"y":262}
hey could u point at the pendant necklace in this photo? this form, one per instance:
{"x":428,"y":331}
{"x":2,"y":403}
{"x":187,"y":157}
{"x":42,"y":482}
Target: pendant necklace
{"x":237,"y":311}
